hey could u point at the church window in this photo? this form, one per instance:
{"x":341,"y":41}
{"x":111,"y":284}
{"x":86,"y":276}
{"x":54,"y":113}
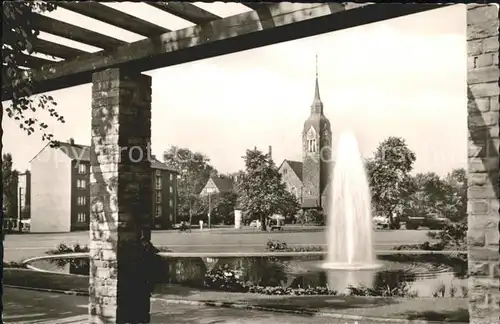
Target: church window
{"x":311,"y":145}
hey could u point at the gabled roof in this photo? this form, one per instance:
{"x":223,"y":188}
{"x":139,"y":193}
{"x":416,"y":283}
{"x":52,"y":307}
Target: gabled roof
{"x":71,"y":150}
{"x":296,"y":166}
{"x":75,"y":151}
{"x":224,"y":184}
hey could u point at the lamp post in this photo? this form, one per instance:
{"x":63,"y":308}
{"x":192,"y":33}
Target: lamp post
{"x":20,"y":209}
{"x":209,"y":191}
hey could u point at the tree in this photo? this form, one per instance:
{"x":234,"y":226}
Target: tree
{"x":18,"y":37}
{"x":457,"y":181}
{"x":261,"y":190}
{"x":195,"y":171}
{"x":222,"y":207}
{"x":389,"y":176}
{"x":9,"y":176}
{"x":433,"y":194}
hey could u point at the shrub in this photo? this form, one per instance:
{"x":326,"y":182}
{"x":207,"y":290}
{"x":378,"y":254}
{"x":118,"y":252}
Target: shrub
{"x":14,"y":264}
{"x":228,"y":280}
{"x":452,"y":235}
{"x":279,"y":246}
{"x":75,"y":264}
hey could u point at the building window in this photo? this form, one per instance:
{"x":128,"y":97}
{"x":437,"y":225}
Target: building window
{"x":171,"y":189}
{"x":82,"y":168}
{"x":158,"y":182}
{"x":158,"y":211}
{"x":81,"y":184}
{"x":284,"y":171}
{"x":82,"y":217}
{"x":171,"y":177}
{"x":171,"y":203}
{"x":158,"y":197}
{"x":81,"y":200}
{"x":311,"y":145}
{"x":158,"y":172}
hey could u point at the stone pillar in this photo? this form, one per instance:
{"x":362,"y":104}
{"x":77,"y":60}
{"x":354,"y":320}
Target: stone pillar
{"x":121,"y":189}
{"x":483,"y":166}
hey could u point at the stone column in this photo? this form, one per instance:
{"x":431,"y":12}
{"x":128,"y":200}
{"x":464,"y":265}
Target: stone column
{"x":483,"y":166}
{"x":121,"y":189}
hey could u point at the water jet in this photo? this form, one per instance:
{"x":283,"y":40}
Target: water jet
{"x":349,"y":230}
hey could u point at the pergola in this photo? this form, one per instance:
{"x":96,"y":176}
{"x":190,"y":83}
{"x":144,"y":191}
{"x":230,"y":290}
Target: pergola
{"x":121,"y":118}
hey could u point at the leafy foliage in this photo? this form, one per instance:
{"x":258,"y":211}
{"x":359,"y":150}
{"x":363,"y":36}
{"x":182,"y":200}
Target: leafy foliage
{"x":279,"y":246}
{"x":313,"y":216}
{"x":453,"y":235}
{"x":18,"y":37}
{"x":432,"y":194}
{"x":195,"y":171}
{"x":9,"y":177}
{"x":262,"y":191}
{"x":389,"y":175}
{"x":222,"y":207}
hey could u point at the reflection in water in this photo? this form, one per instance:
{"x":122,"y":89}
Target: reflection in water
{"x":341,"y":280}
{"x":397,"y":278}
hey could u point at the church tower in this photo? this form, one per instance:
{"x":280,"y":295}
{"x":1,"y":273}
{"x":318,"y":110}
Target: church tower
{"x":316,"y":152}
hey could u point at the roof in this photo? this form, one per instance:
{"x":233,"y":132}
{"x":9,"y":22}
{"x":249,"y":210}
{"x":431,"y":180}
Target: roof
{"x":156,"y":164}
{"x":296,"y":167}
{"x":310,"y":203}
{"x":224,"y":184}
{"x":75,"y":151}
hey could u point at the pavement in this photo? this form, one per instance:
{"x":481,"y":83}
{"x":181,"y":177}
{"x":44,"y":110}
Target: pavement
{"x":23,"y":246}
{"x":30,"y":307}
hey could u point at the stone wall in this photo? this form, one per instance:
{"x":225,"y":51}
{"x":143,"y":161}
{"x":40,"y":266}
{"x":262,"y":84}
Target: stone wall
{"x":483,"y":166}
{"x":120,"y":193}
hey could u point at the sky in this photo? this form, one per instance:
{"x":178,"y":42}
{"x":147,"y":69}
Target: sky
{"x":401,"y":77}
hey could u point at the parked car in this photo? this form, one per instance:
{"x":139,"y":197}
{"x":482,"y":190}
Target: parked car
{"x":381,"y":221}
{"x":255,"y":223}
{"x":432,"y":221}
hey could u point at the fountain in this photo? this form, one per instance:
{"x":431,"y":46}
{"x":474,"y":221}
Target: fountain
{"x":349,"y":232}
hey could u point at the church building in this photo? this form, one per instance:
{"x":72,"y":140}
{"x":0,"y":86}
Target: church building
{"x":308,"y":180}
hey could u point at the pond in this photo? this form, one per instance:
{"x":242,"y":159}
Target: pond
{"x":398,"y":276}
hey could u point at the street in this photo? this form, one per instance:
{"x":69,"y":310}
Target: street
{"x":32,"y":307}
{"x":23,"y":246}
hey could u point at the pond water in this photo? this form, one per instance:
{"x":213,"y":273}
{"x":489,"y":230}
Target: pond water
{"x":405,"y":276}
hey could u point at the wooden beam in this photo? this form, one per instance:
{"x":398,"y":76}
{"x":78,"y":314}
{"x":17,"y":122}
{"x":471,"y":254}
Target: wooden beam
{"x":79,"y":34}
{"x":53,"y":49}
{"x":186,"y":10}
{"x":113,"y":17}
{"x":33,"y":61}
{"x":283,"y":22}
{"x":256,"y":5}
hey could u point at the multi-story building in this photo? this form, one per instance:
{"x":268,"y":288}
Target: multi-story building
{"x":60,"y":190}
{"x":164,"y":195}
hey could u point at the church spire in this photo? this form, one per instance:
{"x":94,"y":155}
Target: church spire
{"x":317,"y":105}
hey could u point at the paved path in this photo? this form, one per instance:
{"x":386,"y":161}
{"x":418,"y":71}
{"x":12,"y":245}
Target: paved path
{"x":31,"y":307}
{"x":22,"y":246}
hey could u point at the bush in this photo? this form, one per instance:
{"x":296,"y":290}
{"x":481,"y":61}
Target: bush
{"x":228,"y":280}
{"x":14,"y":264}
{"x":279,"y":246}
{"x":77,"y":266}
{"x":312,"y":216}
{"x":400,"y":290}
{"x":452,"y":235}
